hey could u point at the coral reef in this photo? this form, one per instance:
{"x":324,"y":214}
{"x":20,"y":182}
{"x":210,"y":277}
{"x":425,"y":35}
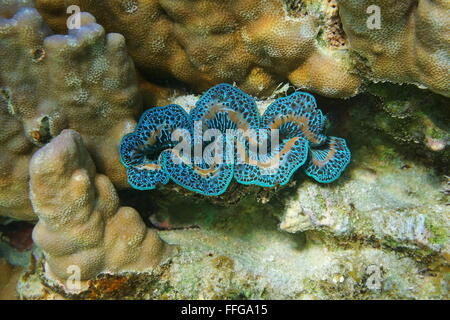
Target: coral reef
{"x":80,"y":222}
{"x":152,"y":158}
{"x":71,"y":149}
{"x":239,"y":252}
{"x":309,"y":43}
{"x":379,"y":232}
{"x":265,"y":266}
{"x":411,"y":44}
{"x":204,"y":43}
{"x":84,"y":81}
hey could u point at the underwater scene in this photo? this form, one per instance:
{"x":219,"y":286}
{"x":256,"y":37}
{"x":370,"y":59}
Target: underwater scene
{"x":224,"y":150}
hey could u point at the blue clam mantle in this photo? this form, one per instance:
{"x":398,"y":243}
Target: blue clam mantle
{"x":150,"y":156}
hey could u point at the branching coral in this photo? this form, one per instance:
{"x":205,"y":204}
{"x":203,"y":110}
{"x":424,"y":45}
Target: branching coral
{"x":256,"y":44}
{"x":84,"y":81}
{"x":80,"y":221}
{"x":239,"y":148}
{"x":411,"y":45}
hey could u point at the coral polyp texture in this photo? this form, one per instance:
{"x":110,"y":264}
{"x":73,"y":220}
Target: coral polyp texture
{"x":15,"y":154}
{"x":310,"y":43}
{"x":256,"y":43}
{"x":80,"y":221}
{"x":244,"y":146}
{"x":410,"y":45}
{"x":83,"y":80}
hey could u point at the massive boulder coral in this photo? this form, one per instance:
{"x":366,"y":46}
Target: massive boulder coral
{"x":84,"y":81}
{"x":411,"y":45}
{"x":9,"y":7}
{"x":8,"y":280}
{"x":257,"y":44}
{"x":80,"y":221}
{"x":15,"y":154}
{"x":260,"y":44}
